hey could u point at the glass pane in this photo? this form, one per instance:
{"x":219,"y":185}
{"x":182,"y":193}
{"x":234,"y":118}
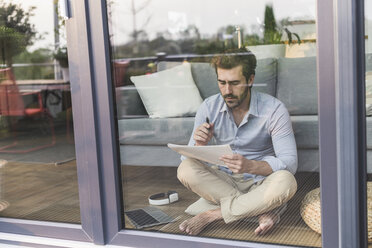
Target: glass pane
{"x":368,"y":50}
{"x":37,"y":153}
{"x":182,"y":73}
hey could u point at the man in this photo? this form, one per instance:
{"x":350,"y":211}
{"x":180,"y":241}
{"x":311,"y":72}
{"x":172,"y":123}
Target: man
{"x":258,"y":177}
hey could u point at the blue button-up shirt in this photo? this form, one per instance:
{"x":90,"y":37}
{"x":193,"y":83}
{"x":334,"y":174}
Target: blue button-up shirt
{"x":265,"y":133}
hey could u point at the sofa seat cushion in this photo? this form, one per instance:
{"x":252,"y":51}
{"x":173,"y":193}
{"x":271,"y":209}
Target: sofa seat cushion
{"x":306,"y":131}
{"x":152,"y":155}
{"x":148,"y":155}
{"x":146,"y":131}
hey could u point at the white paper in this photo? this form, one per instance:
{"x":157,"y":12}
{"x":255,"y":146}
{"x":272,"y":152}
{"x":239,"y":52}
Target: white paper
{"x":210,"y":154}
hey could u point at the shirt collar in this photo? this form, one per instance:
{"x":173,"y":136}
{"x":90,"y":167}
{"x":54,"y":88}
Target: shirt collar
{"x":224,"y":107}
{"x":253,"y":107}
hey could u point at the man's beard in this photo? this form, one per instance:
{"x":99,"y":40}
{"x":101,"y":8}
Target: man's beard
{"x":242,"y":97}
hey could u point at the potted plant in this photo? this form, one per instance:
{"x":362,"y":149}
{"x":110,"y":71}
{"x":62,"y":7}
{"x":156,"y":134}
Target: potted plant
{"x":61,"y":56}
{"x":272,"y":44}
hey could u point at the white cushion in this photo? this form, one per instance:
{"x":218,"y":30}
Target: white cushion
{"x":169,"y":93}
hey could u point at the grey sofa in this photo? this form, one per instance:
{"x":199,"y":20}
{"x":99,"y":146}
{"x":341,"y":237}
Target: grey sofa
{"x":292,"y":80}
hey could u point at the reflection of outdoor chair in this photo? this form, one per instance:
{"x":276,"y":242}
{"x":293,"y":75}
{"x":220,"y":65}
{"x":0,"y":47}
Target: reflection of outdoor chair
{"x":12,"y":105}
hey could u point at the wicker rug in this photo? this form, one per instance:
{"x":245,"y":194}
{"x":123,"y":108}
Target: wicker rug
{"x":290,"y":231}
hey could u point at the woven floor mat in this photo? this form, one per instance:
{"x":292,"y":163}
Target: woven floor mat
{"x":290,"y":231}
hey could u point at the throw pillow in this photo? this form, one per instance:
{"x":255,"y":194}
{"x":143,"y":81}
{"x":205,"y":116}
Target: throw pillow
{"x":169,"y":93}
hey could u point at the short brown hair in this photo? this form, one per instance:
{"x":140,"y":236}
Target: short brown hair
{"x":235,"y":57}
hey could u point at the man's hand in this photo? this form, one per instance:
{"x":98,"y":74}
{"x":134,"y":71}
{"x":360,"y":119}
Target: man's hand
{"x":239,"y":164}
{"x":203,"y":134}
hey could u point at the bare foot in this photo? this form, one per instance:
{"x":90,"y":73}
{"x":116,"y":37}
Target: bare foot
{"x":3,"y":205}
{"x":197,"y":223}
{"x":266,"y":222}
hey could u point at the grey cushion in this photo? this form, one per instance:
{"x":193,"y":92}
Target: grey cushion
{"x":297,"y":85}
{"x":161,"y":131}
{"x":203,"y":74}
{"x":265,"y":78}
{"x":129,"y":103}
{"x":306,"y":130}
{"x":205,"y":78}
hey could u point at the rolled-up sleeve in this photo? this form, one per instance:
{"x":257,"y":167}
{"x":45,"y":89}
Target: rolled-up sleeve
{"x":284,"y":144}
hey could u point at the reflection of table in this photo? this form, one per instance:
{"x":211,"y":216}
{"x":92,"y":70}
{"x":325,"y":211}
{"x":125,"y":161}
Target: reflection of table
{"x":48,"y":87}
{"x":43,"y":84}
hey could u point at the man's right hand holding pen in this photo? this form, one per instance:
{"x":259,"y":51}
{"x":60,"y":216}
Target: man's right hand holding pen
{"x":204,"y":133}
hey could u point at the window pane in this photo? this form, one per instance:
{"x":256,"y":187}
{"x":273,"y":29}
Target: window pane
{"x":168,"y":90}
{"x":37,"y":153}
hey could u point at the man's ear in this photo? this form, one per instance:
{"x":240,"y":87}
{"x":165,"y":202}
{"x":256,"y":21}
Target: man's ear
{"x":251,"y":80}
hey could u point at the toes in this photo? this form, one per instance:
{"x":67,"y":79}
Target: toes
{"x":183,"y":226}
{"x":186,"y":227}
{"x":258,"y":230}
{"x":264,"y":227}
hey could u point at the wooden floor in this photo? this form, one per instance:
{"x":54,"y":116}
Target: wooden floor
{"x":50,"y":193}
{"x":40,"y":192}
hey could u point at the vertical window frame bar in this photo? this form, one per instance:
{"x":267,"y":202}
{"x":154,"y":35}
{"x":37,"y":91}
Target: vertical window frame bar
{"x":327,"y":123}
{"x":351,"y":122}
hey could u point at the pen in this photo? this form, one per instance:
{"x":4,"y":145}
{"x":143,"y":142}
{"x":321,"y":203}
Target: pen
{"x":207,"y":121}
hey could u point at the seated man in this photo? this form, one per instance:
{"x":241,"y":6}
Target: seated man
{"x":258,"y":177}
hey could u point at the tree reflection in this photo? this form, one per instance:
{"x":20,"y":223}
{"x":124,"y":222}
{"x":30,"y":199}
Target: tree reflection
{"x":16,"y":30}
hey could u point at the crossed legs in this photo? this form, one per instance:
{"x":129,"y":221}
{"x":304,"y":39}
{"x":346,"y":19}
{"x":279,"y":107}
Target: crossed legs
{"x":231,"y":197}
